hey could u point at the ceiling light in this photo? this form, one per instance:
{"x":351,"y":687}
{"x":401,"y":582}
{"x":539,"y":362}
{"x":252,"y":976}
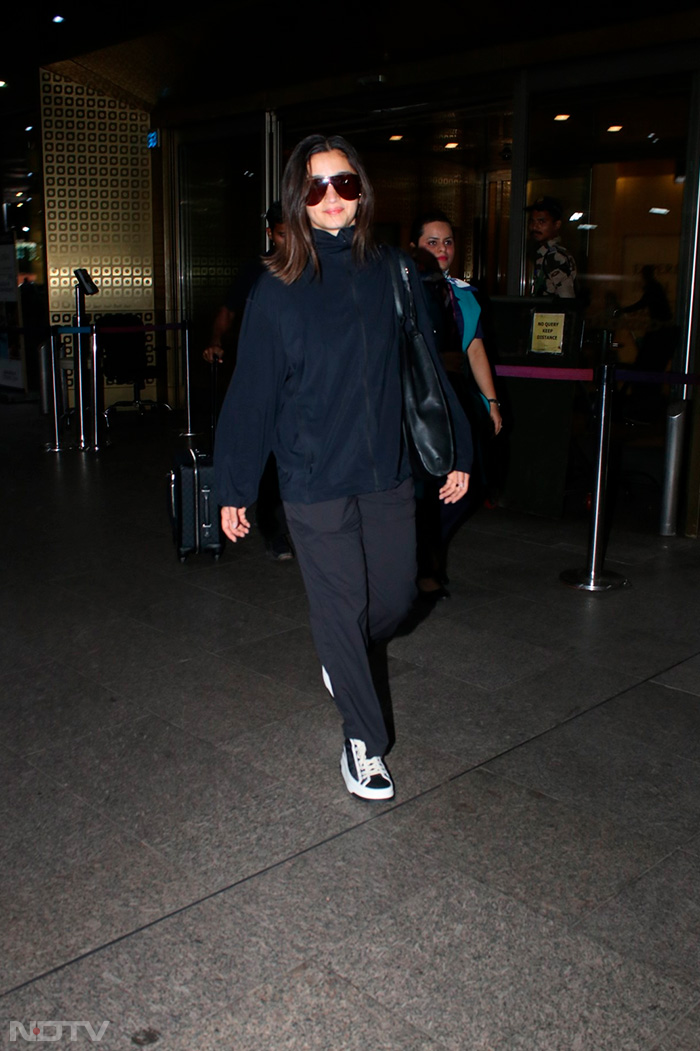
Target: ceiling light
{"x":659,"y":211}
{"x":615,"y":127}
{"x":587,"y":226}
{"x":395,"y":138}
{"x":562,"y":116}
{"x":451,"y":145}
{"x":58,"y":19}
{"x":29,"y":127}
{"x":3,"y":83}
{"x":575,"y":216}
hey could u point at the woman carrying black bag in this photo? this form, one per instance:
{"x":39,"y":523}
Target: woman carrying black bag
{"x":318,"y":383}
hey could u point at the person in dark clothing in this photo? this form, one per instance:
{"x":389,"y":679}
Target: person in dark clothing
{"x":645,"y":402}
{"x":455,"y":313}
{"x":318,"y":382}
{"x":653,"y":300}
{"x":269,"y":513}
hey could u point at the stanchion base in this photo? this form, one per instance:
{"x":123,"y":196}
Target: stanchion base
{"x":49,"y":448}
{"x":585,"y":581}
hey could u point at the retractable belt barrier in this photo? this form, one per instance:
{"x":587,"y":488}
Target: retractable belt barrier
{"x":594,"y":577}
{"x":55,"y":331}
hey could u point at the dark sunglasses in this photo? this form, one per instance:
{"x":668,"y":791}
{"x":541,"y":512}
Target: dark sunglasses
{"x":346,"y":185}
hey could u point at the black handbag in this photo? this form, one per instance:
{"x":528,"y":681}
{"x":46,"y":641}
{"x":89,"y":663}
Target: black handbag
{"x":427,"y":423}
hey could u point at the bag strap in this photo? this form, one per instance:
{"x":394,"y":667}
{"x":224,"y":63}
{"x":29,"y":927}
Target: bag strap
{"x":394,"y":262}
{"x":407,"y":316}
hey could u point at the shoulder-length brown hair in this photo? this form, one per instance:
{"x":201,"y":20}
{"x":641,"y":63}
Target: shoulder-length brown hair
{"x":290,"y":259}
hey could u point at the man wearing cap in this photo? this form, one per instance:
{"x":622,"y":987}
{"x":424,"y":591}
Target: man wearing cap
{"x":555,"y":267}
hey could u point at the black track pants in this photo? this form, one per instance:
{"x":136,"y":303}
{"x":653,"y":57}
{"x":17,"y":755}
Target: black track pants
{"x":358,"y":559}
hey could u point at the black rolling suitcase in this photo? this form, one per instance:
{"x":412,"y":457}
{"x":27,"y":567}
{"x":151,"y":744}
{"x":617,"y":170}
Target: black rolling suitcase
{"x":194,"y":509}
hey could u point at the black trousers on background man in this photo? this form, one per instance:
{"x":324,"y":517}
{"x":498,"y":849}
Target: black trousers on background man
{"x":357,"y":556}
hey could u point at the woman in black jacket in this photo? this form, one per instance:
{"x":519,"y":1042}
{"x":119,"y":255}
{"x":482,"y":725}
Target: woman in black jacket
{"x":317,"y":382}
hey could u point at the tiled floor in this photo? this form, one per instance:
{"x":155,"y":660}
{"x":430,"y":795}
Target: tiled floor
{"x":180,"y":857}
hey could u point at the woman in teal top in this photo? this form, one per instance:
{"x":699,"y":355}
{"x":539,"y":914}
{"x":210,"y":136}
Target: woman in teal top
{"x":456,"y":317}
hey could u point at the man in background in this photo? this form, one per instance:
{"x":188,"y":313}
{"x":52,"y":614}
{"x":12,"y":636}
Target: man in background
{"x":555,"y":267}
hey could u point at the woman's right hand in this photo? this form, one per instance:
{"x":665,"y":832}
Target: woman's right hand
{"x":234,"y":523}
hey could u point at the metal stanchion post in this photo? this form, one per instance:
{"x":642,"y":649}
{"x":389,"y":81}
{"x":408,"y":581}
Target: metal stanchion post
{"x":78,"y":368}
{"x":675,"y":427}
{"x":55,"y":387}
{"x":189,"y":433}
{"x":593,"y":577}
{"x":95,"y":436}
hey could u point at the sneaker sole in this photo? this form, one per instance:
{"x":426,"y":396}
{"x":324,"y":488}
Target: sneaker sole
{"x":356,"y":789}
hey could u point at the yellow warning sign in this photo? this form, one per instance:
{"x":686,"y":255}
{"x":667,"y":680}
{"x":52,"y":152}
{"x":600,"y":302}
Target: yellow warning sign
{"x":547,"y":334}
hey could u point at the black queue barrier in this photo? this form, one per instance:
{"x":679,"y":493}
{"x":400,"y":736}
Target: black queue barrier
{"x":594,"y":577}
{"x":56,"y":385}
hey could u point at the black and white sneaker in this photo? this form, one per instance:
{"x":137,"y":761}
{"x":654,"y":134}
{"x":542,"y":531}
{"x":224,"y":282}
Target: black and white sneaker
{"x":364,"y":776}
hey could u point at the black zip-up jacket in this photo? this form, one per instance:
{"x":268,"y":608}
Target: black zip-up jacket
{"x":317,"y":382}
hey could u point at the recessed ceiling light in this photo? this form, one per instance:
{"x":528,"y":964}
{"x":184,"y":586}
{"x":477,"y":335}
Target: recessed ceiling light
{"x":587,"y":226}
{"x":659,"y":211}
{"x":562,"y":116}
{"x":3,"y":83}
{"x":29,"y":127}
{"x":395,"y":138}
{"x":575,"y":216}
{"x":615,"y":127}
{"x":58,"y":19}
{"x":451,"y":145}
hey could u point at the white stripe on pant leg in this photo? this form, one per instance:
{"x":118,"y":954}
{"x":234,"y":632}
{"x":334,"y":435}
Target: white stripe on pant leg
{"x":327,"y":681}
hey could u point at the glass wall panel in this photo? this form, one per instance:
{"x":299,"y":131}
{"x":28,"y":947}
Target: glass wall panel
{"x":615,"y":159}
{"x":457,"y":161}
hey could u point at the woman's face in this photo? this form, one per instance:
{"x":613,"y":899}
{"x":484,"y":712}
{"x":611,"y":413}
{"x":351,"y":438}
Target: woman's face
{"x":437,"y":239}
{"x":332,"y":213}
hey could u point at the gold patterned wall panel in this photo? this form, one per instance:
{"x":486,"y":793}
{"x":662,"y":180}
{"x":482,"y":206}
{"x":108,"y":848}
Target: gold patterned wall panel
{"x":98,"y":200}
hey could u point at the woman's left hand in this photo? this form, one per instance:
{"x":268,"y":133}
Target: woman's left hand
{"x":495,"y":414}
{"x":455,"y":487}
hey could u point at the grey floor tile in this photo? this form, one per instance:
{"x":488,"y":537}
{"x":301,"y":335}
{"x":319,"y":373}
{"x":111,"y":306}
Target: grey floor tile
{"x":110,"y":649}
{"x":258,"y":581}
{"x":218,"y":699}
{"x":667,"y":718}
{"x":207,"y":622}
{"x":165,"y":979}
{"x":474,"y":969}
{"x":250,"y":834}
{"x":105,"y":895}
{"x":311,"y":1009}
{"x":151,"y":777}
{"x":630,"y":782}
{"x":683,"y":1037}
{"x":50,"y":702}
{"x":469,"y":722}
{"x":565,"y":689}
{"x":656,"y":919}
{"x":644,"y":652}
{"x":126,"y":592}
{"x":345,"y":887}
{"x":552,"y":857}
{"x":455,"y":646}
{"x":684,"y":676}
{"x":288,"y":656}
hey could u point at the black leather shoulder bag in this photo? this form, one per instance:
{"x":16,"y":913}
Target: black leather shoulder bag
{"x":427,"y":423}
